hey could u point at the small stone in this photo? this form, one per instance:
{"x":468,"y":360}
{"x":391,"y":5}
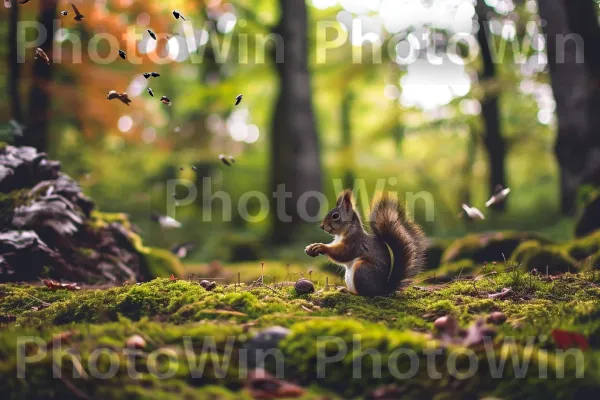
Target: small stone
{"x":304,"y":286}
{"x":497,"y":318}
{"x":446,"y":324}
{"x":136,"y":342}
{"x":265,"y":340}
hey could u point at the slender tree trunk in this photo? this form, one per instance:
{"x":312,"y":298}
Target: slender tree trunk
{"x":40,"y":101}
{"x":346,"y":119}
{"x":467,"y":170}
{"x":14,"y":68}
{"x":294,"y":146}
{"x":576,"y":90}
{"x":492,"y":139}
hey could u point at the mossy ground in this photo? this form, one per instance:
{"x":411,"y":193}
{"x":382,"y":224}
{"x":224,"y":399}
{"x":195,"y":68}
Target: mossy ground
{"x":164,"y":312}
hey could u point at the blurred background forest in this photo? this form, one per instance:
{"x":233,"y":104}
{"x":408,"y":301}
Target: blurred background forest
{"x":526,"y":120}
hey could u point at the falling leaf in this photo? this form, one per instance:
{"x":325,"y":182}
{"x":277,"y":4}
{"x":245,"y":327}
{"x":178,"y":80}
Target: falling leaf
{"x":39,"y":53}
{"x":177,"y":14}
{"x":172,"y":278}
{"x":78,"y":15}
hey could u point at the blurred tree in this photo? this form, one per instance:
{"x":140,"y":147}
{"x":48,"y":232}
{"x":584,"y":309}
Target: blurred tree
{"x":13,"y":64}
{"x":37,"y":131}
{"x":346,"y":117}
{"x":294,"y":146}
{"x":490,"y":111}
{"x":575,"y":77}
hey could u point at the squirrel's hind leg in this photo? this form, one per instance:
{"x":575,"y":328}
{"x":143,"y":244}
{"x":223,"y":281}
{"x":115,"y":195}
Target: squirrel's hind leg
{"x":366,"y":280}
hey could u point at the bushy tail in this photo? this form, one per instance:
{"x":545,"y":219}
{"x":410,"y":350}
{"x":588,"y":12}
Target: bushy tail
{"x":404,"y":237}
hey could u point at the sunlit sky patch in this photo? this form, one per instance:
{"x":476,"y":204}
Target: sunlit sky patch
{"x":424,"y":85}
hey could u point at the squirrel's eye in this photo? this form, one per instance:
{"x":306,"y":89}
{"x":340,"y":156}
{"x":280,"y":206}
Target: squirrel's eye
{"x":335,"y":216}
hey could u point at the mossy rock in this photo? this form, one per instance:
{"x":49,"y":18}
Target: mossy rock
{"x":585,"y":247}
{"x":162,"y":263}
{"x":435,"y":250}
{"x":553,"y":258}
{"x":8,"y":203}
{"x":240,"y":248}
{"x":450,"y":271}
{"x":589,"y":220}
{"x":489,"y":246}
{"x":159,"y":263}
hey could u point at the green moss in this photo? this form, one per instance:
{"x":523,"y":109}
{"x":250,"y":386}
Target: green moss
{"x":8,"y":202}
{"x":102,"y":219}
{"x":491,"y":246}
{"x":448,"y":272}
{"x":162,"y":263}
{"x":552,"y":258}
{"x":164,"y":312}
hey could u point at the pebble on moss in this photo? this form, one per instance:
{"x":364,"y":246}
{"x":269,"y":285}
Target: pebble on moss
{"x":208,"y":285}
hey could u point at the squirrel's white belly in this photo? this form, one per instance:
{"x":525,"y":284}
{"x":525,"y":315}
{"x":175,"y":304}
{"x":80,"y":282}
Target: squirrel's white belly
{"x":350,"y":276}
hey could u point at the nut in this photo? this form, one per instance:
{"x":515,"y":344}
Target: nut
{"x":304,"y":286}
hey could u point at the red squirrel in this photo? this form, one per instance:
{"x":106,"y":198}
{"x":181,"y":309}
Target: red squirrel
{"x":377,"y":263}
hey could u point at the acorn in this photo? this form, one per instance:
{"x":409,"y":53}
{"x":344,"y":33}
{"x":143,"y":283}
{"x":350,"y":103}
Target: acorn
{"x":208,"y":285}
{"x":304,"y":286}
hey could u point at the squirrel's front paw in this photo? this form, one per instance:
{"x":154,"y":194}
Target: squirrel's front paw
{"x":315,"y":249}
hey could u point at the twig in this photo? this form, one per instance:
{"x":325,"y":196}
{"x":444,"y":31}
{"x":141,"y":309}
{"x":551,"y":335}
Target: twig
{"x":76,"y":391}
{"x":269,"y":287}
{"x":44,"y":303}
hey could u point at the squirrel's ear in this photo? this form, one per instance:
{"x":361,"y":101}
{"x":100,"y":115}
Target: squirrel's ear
{"x":345,"y":200}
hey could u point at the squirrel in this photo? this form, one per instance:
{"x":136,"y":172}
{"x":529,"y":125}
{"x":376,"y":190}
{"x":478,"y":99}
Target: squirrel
{"x":377,"y":263}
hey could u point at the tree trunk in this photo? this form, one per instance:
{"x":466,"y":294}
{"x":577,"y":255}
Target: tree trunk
{"x":347,"y":151}
{"x":576,"y":91}
{"x":467,"y":170}
{"x":40,"y":101}
{"x":294,"y":146}
{"x":492,"y":139}
{"x":13,"y":65}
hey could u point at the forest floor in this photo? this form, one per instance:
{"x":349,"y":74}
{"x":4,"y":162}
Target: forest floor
{"x":545,"y":328}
